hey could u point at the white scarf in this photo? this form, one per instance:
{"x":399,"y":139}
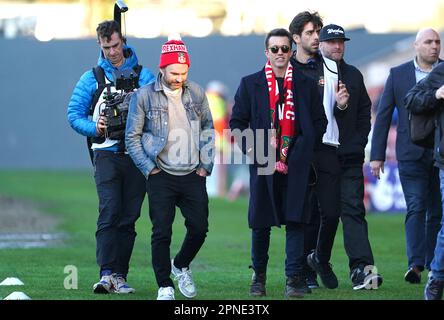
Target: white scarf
{"x":331,"y":135}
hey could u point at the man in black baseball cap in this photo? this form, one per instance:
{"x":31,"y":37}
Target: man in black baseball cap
{"x":331,"y":32}
{"x":347,"y":107}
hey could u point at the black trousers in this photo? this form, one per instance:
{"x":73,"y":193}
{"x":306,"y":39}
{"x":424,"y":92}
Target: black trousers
{"x":327,"y":190}
{"x":354,"y":224}
{"x":294,"y":236}
{"x":311,"y":228}
{"x":165,"y":192}
{"x":121,"y":190}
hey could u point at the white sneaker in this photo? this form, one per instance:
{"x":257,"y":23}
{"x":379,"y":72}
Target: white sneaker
{"x":120,"y":285}
{"x":105,"y":285}
{"x":165,"y":293}
{"x":186,"y":284}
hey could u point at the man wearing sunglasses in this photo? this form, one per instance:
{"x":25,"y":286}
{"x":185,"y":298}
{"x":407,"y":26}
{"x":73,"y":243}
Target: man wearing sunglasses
{"x":288,"y":105}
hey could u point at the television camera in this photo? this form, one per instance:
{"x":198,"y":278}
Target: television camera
{"x":116,"y":104}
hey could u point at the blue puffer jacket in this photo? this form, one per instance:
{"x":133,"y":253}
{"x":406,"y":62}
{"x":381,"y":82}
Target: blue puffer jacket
{"x":78,"y":108}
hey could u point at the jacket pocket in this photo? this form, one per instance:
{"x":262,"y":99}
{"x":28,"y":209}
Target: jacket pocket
{"x":154,"y":121}
{"x":148,"y":146}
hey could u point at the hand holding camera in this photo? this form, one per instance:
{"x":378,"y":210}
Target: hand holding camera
{"x":101,"y":125}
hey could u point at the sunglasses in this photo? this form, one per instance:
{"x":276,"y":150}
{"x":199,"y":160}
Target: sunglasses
{"x":275,"y":49}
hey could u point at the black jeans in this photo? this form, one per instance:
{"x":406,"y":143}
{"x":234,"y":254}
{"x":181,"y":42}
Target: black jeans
{"x":165,"y":192}
{"x":356,"y":242}
{"x":121,"y":190}
{"x":327,"y":191}
{"x":311,"y":228}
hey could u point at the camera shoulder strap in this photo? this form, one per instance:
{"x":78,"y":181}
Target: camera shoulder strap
{"x":99,"y":74}
{"x":137,"y":69}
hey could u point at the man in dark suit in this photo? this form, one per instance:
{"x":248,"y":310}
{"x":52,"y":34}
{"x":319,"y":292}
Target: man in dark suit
{"x":419,"y":178}
{"x":276,"y":98}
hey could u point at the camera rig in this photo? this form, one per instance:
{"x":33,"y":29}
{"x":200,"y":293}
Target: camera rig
{"x":116,"y":104}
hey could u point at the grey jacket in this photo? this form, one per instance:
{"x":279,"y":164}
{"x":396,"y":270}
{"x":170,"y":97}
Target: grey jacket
{"x":147,"y":125}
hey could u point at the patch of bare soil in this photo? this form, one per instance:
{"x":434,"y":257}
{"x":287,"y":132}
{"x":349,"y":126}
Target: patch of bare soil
{"x":23,"y":216}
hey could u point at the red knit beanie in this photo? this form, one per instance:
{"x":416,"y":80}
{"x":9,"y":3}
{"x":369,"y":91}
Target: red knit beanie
{"x":174,"y":51}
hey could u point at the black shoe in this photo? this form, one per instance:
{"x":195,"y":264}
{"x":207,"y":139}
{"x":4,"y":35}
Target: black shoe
{"x":362,"y":279}
{"x":433,"y":289}
{"x":413,"y":275}
{"x":324,"y":271}
{"x":257,"y":286}
{"x":311,"y":279}
{"x":296,"y":287}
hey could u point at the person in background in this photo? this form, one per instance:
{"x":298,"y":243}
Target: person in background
{"x":216,"y":93}
{"x":419,"y":177}
{"x":427,"y":97}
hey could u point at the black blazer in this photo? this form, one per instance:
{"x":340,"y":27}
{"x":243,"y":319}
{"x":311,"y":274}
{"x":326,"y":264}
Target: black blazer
{"x":251,"y":110}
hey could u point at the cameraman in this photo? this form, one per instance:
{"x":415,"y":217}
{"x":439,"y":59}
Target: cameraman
{"x":120,"y":185}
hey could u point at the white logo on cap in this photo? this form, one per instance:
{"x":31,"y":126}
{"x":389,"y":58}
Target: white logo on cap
{"x":173,"y":48}
{"x":334,"y":31}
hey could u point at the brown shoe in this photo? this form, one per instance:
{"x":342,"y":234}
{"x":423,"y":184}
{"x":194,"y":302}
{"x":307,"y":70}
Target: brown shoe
{"x":296,"y":287}
{"x":257,"y":286}
{"x":413,"y":275}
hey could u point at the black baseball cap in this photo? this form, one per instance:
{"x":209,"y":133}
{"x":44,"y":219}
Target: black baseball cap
{"x":332,"y":31}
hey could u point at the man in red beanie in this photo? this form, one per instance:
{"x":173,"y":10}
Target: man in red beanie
{"x":170,"y":137}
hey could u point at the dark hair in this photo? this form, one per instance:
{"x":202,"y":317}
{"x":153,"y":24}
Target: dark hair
{"x":280,"y":32}
{"x":106,"y":29}
{"x":301,"y":19}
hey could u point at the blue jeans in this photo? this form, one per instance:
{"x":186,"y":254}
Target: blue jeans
{"x":437,"y":265}
{"x":420,"y":184}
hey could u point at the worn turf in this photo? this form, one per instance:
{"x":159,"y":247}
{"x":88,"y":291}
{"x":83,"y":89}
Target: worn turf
{"x":220,"y":270}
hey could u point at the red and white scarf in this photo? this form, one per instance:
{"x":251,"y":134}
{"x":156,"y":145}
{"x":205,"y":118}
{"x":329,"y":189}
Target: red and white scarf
{"x":285,"y":114}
